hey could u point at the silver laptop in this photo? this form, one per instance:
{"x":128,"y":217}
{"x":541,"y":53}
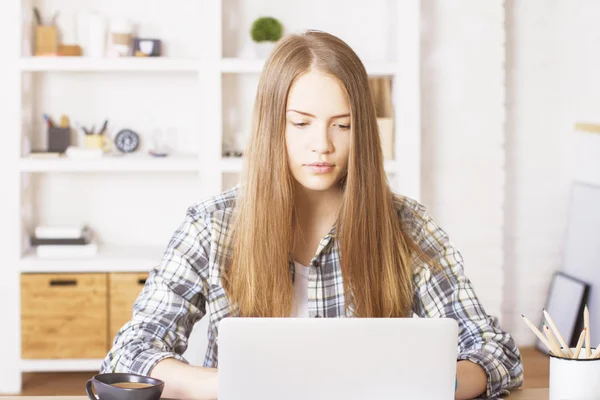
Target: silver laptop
{"x":337,"y":358}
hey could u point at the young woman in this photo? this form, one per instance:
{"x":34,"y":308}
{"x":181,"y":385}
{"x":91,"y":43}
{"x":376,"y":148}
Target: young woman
{"x":313,"y":230}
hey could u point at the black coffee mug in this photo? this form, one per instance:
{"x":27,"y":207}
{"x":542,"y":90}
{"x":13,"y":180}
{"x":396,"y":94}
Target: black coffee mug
{"x":122,"y":386}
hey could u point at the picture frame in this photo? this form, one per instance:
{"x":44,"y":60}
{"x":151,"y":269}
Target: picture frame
{"x":565,"y":302}
{"x":143,"y":47}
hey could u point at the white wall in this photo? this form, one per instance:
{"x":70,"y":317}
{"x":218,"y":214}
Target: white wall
{"x":510,"y":226}
{"x":553,"y":82}
{"x":462,"y":119}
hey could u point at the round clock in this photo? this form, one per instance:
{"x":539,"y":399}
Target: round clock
{"x":127,"y":141}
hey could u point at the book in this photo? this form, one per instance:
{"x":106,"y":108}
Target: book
{"x":44,"y":154}
{"x":61,"y":231}
{"x":42,"y":241}
{"x":66,"y":251}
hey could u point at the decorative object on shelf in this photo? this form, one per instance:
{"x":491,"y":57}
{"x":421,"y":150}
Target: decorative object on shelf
{"x":96,"y":140}
{"x":69,"y":50}
{"x":162,"y":142}
{"x":146,"y":47}
{"x":46,"y":36}
{"x":54,"y":241}
{"x":121,"y":38}
{"x":233,"y":153}
{"x":265,"y":32}
{"x":127,"y":141}
{"x":381,"y":90}
{"x":92,"y":30}
{"x":59,"y":137}
{"x":46,"y":41}
{"x":68,"y":44}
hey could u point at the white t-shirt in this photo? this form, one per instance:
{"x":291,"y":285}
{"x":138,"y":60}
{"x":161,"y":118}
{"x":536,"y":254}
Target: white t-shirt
{"x":300,"y":304}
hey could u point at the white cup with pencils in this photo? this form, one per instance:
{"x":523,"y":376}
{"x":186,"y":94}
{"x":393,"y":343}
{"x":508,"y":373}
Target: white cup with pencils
{"x":574,"y":371}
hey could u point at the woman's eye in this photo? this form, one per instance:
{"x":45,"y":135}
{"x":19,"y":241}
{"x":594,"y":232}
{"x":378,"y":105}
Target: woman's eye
{"x":300,"y":124}
{"x":344,"y":127}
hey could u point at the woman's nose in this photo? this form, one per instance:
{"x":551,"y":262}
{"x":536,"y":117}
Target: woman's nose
{"x":320,"y":141}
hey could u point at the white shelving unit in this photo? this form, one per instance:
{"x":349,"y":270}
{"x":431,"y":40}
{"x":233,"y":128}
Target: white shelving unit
{"x":207,"y":72}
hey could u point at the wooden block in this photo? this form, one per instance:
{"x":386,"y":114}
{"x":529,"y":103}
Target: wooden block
{"x":63,"y":316}
{"x":69,"y":50}
{"x":124,"y":289}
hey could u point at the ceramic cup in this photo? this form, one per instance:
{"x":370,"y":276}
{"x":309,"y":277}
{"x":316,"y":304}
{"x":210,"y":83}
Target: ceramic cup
{"x":121,"y":386}
{"x":575,"y":379}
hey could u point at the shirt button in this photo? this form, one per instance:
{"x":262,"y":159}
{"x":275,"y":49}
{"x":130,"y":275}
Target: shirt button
{"x":315,"y":263}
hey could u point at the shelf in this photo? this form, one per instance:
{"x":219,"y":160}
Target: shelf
{"x":241,"y":66}
{"x":88,"y":64}
{"x":124,"y":163}
{"x":66,"y":365}
{"x":235,"y":165}
{"x":109,"y":259}
{"x":161,"y":64}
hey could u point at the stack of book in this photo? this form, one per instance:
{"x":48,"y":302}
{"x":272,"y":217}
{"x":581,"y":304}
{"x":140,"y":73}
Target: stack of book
{"x":51,"y":241}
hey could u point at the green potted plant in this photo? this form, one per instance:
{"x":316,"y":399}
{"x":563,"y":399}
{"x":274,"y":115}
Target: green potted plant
{"x":265,"y":33}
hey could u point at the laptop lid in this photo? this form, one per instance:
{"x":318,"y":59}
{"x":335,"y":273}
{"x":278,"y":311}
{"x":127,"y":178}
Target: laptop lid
{"x":337,"y":358}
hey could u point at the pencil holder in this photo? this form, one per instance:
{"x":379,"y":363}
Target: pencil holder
{"x":59,"y":139}
{"x":94,"y":141}
{"x":574,"y":378}
{"x":46,"y":40}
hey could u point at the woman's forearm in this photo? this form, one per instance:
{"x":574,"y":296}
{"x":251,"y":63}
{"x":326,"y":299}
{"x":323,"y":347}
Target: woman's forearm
{"x":183,"y":381}
{"x":472,"y":380}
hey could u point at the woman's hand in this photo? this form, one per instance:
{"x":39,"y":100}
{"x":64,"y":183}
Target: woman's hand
{"x":183,"y":381}
{"x":472,"y":380}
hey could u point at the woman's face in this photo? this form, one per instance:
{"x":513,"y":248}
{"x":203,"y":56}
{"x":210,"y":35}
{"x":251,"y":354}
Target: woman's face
{"x":317,"y":131}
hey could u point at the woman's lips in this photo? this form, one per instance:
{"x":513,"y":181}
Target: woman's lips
{"x":320,"y":168}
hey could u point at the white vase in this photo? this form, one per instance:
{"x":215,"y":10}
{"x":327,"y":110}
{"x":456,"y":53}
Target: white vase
{"x":263,"y":49}
{"x":248,"y":51}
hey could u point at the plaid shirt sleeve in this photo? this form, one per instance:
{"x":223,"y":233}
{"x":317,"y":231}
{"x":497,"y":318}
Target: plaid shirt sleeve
{"x":448,"y":293}
{"x":171,"y":302}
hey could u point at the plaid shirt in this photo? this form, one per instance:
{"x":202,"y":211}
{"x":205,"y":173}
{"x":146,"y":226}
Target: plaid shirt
{"x":186,"y":285}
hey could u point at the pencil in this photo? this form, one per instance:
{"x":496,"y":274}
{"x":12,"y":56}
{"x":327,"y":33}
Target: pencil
{"x":586,"y":323}
{"x":596,"y":353}
{"x":537,"y":333}
{"x":580,"y":343}
{"x":553,"y":342}
{"x":561,"y":340}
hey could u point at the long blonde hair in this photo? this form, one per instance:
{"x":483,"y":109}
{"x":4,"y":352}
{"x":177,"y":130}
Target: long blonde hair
{"x":375,"y":254}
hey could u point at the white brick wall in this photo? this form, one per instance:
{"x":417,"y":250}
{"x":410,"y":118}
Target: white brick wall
{"x":509,"y":225}
{"x":552,"y":76}
{"x":463,"y":118}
